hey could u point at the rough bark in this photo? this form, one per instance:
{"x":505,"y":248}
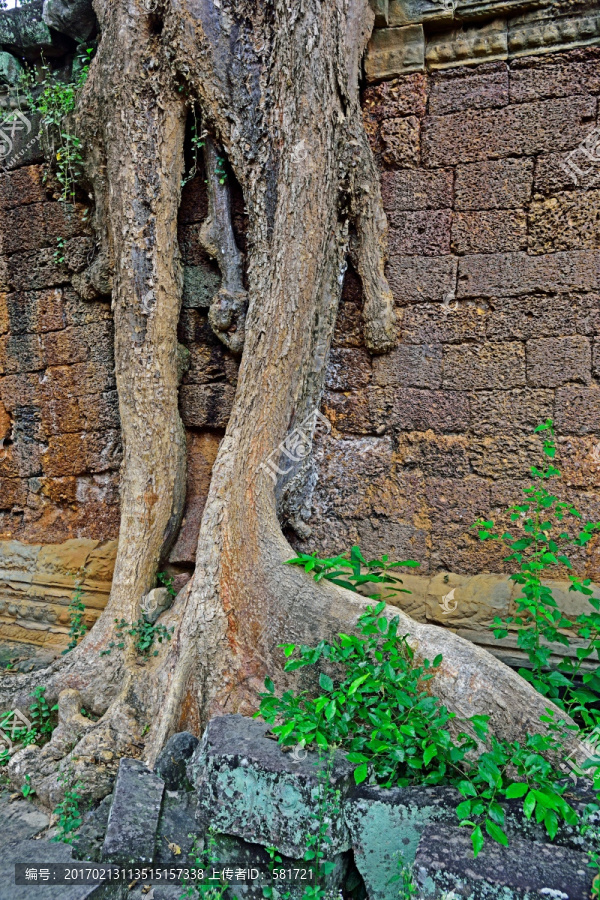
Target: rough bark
{"x":277,"y":84}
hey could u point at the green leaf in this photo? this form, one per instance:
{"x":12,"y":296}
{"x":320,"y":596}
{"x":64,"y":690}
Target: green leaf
{"x":529,"y":805}
{"x":496,"y":832}
{"x":269,"y":685}
{"x":325,"y":682}
{"x":360,"y":773}
{"x":477,"y":840}
{"x":517,"y":789}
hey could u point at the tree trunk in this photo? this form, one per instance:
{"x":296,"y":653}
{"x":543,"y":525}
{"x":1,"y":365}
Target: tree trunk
{"x":277,"y":84}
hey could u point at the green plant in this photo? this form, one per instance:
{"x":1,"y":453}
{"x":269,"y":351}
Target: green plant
{"x":166,"y":581}
{"x":56,"y":100}
{"x":76,"y":609}
{"x":543,"y":546}
{"x":144,"y":634}
{"x":27,"y":788}
{"x":220,"y":170}
{"x":197,"y":143}
{"x":59,"y":253}
{"x":350,"y":572}
{"x":408,"y":889}
{"x":41,"y":712}
{"x":378,"y":710}
{"x":69,"y":814}
{"x":205,"y":858}
{"x":41,"y":727}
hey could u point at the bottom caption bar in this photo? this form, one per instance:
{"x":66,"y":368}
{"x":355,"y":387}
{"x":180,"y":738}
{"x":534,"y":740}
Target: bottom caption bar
{"x":67,"y":873}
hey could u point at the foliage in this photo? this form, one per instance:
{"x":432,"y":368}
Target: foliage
{"x":77,"y":628}
{"x":69,"y":815}
{"x":144,"y":634}
{"x":42,"y":724}
{"x":205,"y":858}
{"x":348,"y":573}
{"x":542,"y":546}
{"x":167,"y":581}
{"x":27,"y":788}
{"x":197,"y":143}
{"x":56,"y":102}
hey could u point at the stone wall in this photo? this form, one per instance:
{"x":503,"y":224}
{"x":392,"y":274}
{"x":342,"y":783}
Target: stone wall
{"x":473,"y":109}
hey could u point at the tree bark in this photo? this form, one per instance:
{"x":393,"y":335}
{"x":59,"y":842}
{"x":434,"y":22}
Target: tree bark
{"x":277,"y":84}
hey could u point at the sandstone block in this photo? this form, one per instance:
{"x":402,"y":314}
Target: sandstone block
{"x":467,"y":44}
{"x":516,"y":274}
{"x":394,"y":51}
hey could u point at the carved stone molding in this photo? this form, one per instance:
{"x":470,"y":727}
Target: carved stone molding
{"x":438,"y":34}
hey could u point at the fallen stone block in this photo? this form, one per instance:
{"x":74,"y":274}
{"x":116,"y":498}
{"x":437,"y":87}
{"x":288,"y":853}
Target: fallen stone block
{"x":172,"y":761}
{"x":248,"y":788}
{"x":75,"y":18}
{"x":525,"y":870}
{"x":133,"y":819}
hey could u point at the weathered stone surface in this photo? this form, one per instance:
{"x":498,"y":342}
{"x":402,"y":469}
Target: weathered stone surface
{"x":201,"y":454}
{"x":530,"y":871}
{"x":206,"y":405}
{"x":200,"y":284}
{"x":133,"y":819}
{"x":348,"y":369}
{"x":459,"y":89}
{"x":468,"y":367}
{"x":392,"y":51}
{"x":538,"y":78}
{"x":436,"y":323}
{"x":517,"y":410}
{"x":32,"y":852}
{"x":494,"y":184}
{"x":523,"y":129}
{"x":10,"y":69}
{"x":416,"y":189}
{"x":554,"y":361}
{"x":381,"y":10}
{"x":172,"y":761}
{"x":421,"y":233}
{"x":383,"y":823}
{"x":489,"y":231}
{"x":25,"y":32}
{"x":478,"y":43}
{"x":415,"y":279}
{"x":75,"y":18}
{"x":515,"y":274}
{"x":410,"y":365}
{"x":564,"y":222}
{"x":528,"y":317}
{"x":400,"y":141}
{"x":578,"y":409}
{"x":248,"y":788}
{"x":538,"y":31}
{"x":410,"y":409}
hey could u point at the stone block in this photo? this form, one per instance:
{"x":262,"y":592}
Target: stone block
{"x":421,"y":233}
{"x":201,"y":454}
{"x":22,"y":187}
{"x":404,"y":96}
{"x":416,"y":189}
{"x":516,"y":274}
{"x":349,"y":412}
{"x":248,"y":788}
{"x":400,"y":142}
{"x":524,"y":130}
{"x":538,"y":78}
{"x":384,"y":823}
{"x":407,"y":12}
{"x":459,"y":89}
{"x":348,"y":369}
{"x":382,"y":11}
{"x":394,"y":51}
{"x":443,"y":456}
{"x":494,"y":184}
{"x":526,"y":870}
{"x":75,"y":18}
{"x":19,"y":139}
{"x":436,"y":323}
{"x":578,"y":409}
{"x":133,"y":819}
{"x":415,"y":279}
{"x":489,"y":231}
{"x":412,"y":365}
{"x":504,"y":456}
{"x":539,"y":32}
{"x":472,"y":367}
{"x":10,"y":69}
{"x":172,"y":761}
{"x":513,"y":410}
{"x":401,"y":540}
{"x":554,"y":173}
{"x":25,"y":32}
{"x":565,"y":222}
{"x":194,"y":199}
{"x":557,"y":360}
{"x":33,"y":270}
{"x":531,"y":317}
{"x":32,"y":851}
{"x":411,"y":409}
{"x":467,"y":45}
